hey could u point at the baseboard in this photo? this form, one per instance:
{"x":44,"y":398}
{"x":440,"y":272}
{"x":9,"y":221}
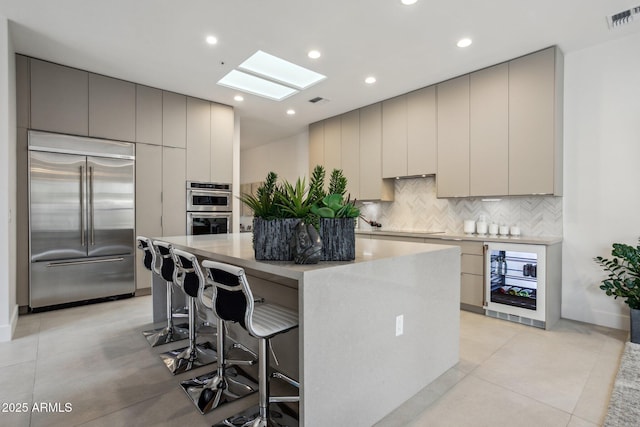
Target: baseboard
{"x":143,"y":291}
{"x":6,"y":331}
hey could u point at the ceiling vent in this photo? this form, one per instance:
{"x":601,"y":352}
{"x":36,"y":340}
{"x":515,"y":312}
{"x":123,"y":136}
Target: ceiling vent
{"x":318,"y":100}
{"x":623,"y":18}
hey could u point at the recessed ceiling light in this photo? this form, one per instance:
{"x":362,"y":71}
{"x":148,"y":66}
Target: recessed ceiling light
{"x":278,"y":69}
{"x":370,"y":80}
{"x":408,"y":2}
{"x":249,"y":83}
{"x":314,"y":54}
{"x":212,"y":40}
{"x":291,"y":112}
{"x":239,"y":98}
{"x":464,"y":42}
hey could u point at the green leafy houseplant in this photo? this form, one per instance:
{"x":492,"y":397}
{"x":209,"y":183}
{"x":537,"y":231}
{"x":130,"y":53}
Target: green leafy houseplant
{"x":332,"y":204}
{"x":264,"y":202}
{"x":624,"y":273}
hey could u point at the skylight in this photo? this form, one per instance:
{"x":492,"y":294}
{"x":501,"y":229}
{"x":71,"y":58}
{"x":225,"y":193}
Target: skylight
{"x":255,"y":85}
{"x":279,"y":70}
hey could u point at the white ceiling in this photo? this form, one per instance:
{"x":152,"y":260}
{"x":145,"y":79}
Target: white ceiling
{"x":161,"y":43}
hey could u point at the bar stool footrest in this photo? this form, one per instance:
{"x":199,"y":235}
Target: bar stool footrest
{"x":178,"y":361}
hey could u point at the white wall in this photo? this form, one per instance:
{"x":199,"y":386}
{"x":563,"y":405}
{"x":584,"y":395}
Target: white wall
{"x":601,"y":172}
{"x":289,"y":158}
{"x":8,"y":306}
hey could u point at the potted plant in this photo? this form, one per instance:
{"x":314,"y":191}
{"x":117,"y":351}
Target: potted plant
{"x":336,"y":217}
{"x":272,"y":230}
{"x":624,"y":281}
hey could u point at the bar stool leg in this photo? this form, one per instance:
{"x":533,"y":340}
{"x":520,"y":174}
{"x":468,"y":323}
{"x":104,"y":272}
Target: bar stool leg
{"x":171,"y":332}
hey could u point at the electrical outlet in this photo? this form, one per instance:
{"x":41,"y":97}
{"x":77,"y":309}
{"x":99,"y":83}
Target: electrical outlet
{"x":399,"y":325}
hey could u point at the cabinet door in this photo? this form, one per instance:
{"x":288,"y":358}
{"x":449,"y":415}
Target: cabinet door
{"x":148,"y":202}
{"x":531,"y":123}
{"x":22,"y":217}
{"x":472,"y":290}
{"x":332,"y":144}
{"x":422,"y":132}
{"x":316,"y":145}
{"x":198,"y":140}
{"x":174,"y":120}
{"x":148,"y":115}
{"x":59,"y":98}
{"x":452,"y":178}
{"x":174,"y":193}
{"x":489,"y":131}
{"x":23,"y":92}
{"x":222,"y":127}
{"x":350,"y":150}
{"x":394,"y":137}
{"x":372,"y":186}
{"x":112,"y":108}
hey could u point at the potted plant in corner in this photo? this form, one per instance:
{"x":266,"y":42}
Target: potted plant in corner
{"x":272,"y":230}
{"x":336,"y":217}
{"x":624,"y":281}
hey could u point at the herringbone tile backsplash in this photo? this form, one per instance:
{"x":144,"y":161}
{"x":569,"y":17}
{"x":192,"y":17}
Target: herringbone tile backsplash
{"x":416,"y":208}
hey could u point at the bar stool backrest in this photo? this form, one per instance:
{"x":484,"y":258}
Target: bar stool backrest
{"x":144,"y":243}
{"x":166,"y":264}
{"x":187,"y":274}
{"x":232,"y":297}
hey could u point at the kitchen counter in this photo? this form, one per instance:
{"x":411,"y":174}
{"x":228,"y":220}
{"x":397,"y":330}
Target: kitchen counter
{"x":538,"y":240}
{"x":348,"y":354}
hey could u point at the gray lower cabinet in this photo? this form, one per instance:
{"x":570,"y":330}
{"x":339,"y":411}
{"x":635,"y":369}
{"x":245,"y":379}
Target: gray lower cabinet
{"x":174,"y":206}
{"x":148,"y":115}
{"x":148,"y":202}
{"x":112,"y":108}
{"x":22,"y":218}
{"x":198,"y":140}
{"x":59,"y":98}
{"x":174,"y":120}
{"x":222,"y":125}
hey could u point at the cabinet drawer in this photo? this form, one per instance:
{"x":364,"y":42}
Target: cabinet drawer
{"x":472,"y":289}
{"x":473,"y":248}
{"x":472,"y":264}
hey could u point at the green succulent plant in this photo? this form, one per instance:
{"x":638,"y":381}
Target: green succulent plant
{"x":334,"y":206}
{"x":624,"y":273}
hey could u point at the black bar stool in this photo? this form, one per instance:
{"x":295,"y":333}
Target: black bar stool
{"x":188,"y":275}
{"x":233,"y":301}
{"x":163,"y":266}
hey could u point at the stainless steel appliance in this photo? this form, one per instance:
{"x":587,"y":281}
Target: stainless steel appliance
{"x":208,"y":208}
{"x":81,"y":219}
{"x":515,"y":277}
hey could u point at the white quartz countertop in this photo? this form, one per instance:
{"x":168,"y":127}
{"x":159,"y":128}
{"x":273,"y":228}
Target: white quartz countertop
{"x":538,"y":240}
{"x":237,"y":249}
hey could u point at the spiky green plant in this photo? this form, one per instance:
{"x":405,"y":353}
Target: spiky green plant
{"x":316,"y":184}
{"x":263,"y":203}
{"x":337,"y":183}
{"x":293,"y":200}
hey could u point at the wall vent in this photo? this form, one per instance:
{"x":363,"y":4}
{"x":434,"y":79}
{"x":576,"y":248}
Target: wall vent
{"x":624,"y":17}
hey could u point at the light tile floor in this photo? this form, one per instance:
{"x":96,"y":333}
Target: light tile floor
{"x":95,"y":359}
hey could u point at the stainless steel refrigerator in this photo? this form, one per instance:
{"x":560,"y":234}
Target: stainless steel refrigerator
{"x":81,"y":219}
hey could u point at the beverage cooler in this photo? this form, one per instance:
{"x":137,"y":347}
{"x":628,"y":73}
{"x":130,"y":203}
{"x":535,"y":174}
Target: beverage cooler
{"x":516,"y":283}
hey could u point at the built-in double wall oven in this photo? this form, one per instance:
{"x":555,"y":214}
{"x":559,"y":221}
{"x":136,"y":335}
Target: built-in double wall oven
{"x":208,"y":208}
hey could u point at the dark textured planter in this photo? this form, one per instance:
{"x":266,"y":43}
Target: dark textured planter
{"x":635,"y":326}
{"x":271,"y":238}
{"x":338,"y":239}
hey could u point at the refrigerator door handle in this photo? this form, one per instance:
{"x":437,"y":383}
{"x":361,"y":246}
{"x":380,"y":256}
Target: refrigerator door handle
{"x":91,"y":227}
{"x":82,"y":207}
{"x":93,"y":261}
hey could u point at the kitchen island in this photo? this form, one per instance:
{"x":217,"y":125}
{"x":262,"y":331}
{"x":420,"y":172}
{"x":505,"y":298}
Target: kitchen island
{"x":355,"y":359}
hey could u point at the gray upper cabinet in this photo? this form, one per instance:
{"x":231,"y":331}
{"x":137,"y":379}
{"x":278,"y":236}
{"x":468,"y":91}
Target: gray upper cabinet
{"x":174,"y":202}
{"x":372,"y":186}
{"x":332,"y":144}
{"x":489,"y":131}
{"x":350,"y":151}
{"x":148,"y":115}
{"x":422,"y":132}
{"x":316,"y":145}
{"x":222,"y":126}
{"x":112,"y":108}
{"x":394,"y":137}
{"x":452,"y":178}
{"x":59,"y":98}
{"x":174,"y":120}
{"x":535,"y":130}
{"x":23,"y":92}
{"x":198,"y":140}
